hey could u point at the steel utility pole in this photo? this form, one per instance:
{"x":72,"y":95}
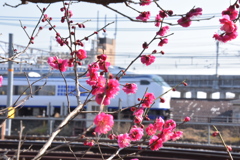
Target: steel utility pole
{"x":215,"y":82}
{"x":217,"y":54}
{"x":10,"y":84}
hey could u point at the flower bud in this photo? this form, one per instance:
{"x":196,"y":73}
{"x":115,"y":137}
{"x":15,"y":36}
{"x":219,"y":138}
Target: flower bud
{"x":187,"y":119}
{"x":145,"y":45}
{"x":162,"y":100}
{"x":214,"y":134}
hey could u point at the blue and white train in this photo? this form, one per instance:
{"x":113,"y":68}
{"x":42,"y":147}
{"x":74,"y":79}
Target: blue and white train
{"x":51,"y":99}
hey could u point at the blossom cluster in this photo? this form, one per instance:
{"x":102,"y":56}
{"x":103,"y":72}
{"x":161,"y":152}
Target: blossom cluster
{"x":186,"y":21}
{"x":228,"y":28}
{"x":158,"y":132}
{"x":103,"y":88}
{"x":59,"y":64}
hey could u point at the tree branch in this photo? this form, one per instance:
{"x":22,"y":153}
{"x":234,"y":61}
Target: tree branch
{"x":104,"y":2}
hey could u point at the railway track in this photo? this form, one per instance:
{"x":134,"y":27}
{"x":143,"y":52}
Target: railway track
{"x":170,"y":151}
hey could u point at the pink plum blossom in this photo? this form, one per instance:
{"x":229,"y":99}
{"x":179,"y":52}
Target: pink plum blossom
{"x":138,"y":115}
{"x":136,"y":133}
{"x":176,"y":135}
{"x":225,"y":37}
{"x":145,"y":2}
{"x":130,"y":88}
{"x":92,"y":74}
{"x":228,"y":25}
{"x":99,"y":85}
{"x":163,"y":31}
{"x":68,"y":13}
{"x":148,"y":59}
{"x":148,"y":100}
{"x":162,"y":14}
{"x":93,"y":78}
{"x":187,"y":20}
{"x":162,"y":42}
{"x":144,"y":16}
{"x":170,"y":124}
{"x":123,"y":140}
{"x":166,"y":134}
{"x":89,"y":143}
{"x":112,"y":88}
{"x":229,"y":29}
{"x":194,"y":12}
{"x":151,"y":130}
{"x":60,"y":41}
{"x":159,"y":122}
{"x":158,"y":20}
{"x":81,"y":54}
{"x":155,"y":143}
{"x":99,"y":99}
{"x":1,"y":81}
{"x":231,"y":12}
{"x":103,"y":65}
{"x":184,"y":21}
{"x":102,"y":57}
{"x":104,"y":123}
{"x":59,"y":64}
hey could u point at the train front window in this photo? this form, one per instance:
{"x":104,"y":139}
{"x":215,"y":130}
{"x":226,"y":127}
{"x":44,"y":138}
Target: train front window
{"x":159,"y":80}
{"x":144,"y":82}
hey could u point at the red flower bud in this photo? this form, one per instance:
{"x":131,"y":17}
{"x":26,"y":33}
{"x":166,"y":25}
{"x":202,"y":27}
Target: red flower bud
{"x":145,"y":45}
{"x":170,"y":12}
{"x":154,"y":51}
{"x":214,"y":134}
{"x":133,"y":109}
{"x":187,"y":119}
{"x":162,"y":100}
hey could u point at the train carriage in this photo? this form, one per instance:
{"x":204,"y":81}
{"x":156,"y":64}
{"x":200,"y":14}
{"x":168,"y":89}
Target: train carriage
{"x":51,"y":98}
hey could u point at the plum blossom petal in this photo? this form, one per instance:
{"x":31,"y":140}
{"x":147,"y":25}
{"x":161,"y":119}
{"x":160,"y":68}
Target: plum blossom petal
{"x":130,"y":88}
{"x":123,"y":140}
{"x":144,"y":16}
{"x":148,"y":59}
{"x":104,"y":123}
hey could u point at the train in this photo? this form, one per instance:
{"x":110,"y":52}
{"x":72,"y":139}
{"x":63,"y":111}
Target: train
{"x":51,"y":98}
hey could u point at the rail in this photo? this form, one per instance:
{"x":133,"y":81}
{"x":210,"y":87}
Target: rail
{"x":170,"y":151}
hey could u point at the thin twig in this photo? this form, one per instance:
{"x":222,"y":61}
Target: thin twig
{"x":223,"y":142}
{"x":20,"y":140}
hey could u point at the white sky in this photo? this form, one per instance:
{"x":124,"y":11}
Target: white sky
{"x":193,"y":41}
